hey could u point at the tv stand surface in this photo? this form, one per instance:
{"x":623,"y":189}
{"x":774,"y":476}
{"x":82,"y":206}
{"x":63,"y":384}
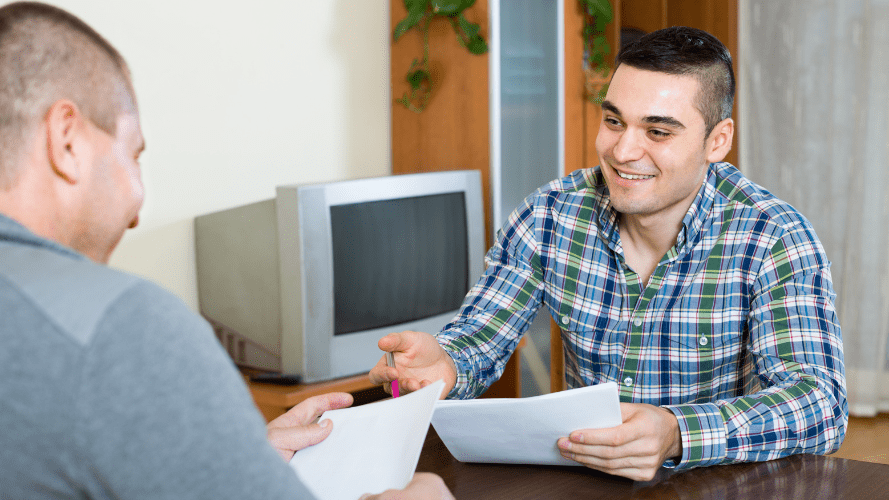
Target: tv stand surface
{"x":273,"y":400}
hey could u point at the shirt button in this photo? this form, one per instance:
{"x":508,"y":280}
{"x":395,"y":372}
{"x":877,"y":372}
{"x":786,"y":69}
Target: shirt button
{"x":565,"y":320}
{"x":637,"y":321}
{"x":703,"y":340}
{"x":628,"y":381}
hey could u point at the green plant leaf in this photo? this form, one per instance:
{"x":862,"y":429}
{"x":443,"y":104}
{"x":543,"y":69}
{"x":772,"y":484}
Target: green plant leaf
{"x":416,"y":78}
{"x":416,"y":6}
{"x":447,"y":7}
{"x":596,"y":58}
{"x":600,"y":8}
{"x":470,"y":30}
{"x":477,"y":45}
{"x":602,"y":92}
{"x":601,"y":23}
{"x":600,"y":44}
{"x":407,"y":23}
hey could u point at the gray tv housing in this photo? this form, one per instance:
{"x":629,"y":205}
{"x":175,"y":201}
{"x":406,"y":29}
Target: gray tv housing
{"x":265,"y":273}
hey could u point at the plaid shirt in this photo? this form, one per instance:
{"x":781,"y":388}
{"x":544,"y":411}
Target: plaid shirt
{"x":735,"y":333}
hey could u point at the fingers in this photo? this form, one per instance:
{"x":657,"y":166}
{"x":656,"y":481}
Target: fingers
{"x":616,"y":461}
{"x":382,"y":374}
{"x":397,"y":342}
{"x":309,"y":410}
{"x":288,"y":440}
{"x":297,"y":429}
{"x":636,"y":449}
{"x":640,"y":469}
{"x":423,"y":485}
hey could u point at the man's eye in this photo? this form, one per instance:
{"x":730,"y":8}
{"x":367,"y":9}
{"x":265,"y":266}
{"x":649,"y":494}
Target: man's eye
{"x":613,"y":122}
{"x":659,"y":134}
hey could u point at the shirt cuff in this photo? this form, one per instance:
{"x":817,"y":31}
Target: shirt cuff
{"x":462,"y":388}
{"x":702,"y":430}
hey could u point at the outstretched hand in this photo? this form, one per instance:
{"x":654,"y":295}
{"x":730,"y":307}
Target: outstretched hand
{"x":297,"y":429}
{"x":419,"y":361}
{"x":636,"y":449}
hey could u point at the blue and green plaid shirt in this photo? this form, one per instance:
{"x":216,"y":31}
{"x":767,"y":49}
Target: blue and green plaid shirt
{"x":735,"y":333}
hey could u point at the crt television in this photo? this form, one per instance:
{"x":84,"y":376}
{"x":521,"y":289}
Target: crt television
{"x":307,"y":283}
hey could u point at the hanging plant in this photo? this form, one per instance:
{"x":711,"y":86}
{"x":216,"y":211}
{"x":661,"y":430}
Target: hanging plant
{"x":420,"y":13}
{"x":596,"y":49}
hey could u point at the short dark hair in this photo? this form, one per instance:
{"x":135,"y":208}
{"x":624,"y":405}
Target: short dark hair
{"x":680,"y":50}
{"x":48,"y":54}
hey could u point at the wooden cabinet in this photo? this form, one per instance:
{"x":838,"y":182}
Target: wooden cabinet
{"x":454,"y":132}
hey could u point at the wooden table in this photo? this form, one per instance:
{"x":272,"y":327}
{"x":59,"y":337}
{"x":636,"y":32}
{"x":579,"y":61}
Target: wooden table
{"x":797,"y":476}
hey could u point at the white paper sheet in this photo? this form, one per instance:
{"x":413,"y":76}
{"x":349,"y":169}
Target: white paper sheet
{"x":523,"y":430}
{"x":372,"y":448}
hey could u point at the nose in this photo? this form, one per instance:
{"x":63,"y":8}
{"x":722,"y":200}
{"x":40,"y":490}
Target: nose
{"x":628,"y":147}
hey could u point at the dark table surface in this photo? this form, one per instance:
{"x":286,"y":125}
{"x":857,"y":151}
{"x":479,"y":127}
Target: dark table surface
{"x":795,"y":477}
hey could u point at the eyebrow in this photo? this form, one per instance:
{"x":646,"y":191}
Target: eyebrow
{"x":655,"y":119}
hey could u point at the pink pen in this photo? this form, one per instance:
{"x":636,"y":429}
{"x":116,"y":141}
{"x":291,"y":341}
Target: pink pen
{"x":390,"y":361}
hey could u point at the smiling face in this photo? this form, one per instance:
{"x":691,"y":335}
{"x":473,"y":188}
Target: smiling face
{"x":651,"y":144}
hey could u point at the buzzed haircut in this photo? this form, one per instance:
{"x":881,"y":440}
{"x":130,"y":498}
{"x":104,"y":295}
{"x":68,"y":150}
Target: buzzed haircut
{"x":680,"y":50}
{"x":47,"y":54}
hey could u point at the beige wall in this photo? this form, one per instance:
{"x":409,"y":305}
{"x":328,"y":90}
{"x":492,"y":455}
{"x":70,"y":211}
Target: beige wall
{"x":239,"y":97}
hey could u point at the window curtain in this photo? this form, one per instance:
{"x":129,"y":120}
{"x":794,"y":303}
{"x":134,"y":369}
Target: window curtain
{"x":814,"y":130}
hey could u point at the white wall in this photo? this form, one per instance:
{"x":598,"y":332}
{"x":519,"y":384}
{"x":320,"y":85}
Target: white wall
{"x":239,"y":97}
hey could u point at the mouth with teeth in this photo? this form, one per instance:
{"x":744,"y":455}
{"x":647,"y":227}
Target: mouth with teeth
{"x":633,"y":177}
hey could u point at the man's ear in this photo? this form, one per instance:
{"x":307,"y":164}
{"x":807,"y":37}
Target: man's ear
{"x":720,"y":141}
{"x":64,"y":126}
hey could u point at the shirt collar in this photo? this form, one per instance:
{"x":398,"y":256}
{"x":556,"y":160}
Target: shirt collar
{"x":691,"y":224}
{"x":12,"y":231}
{"x":698,"y":212}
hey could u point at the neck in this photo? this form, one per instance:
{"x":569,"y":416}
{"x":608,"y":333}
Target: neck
{"x":646,"y":238}
{"x":649,"y":234}
{"x":34,"y":205}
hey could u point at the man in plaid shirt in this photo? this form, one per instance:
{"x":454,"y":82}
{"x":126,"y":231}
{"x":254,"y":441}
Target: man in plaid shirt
{"x":708,"y":300}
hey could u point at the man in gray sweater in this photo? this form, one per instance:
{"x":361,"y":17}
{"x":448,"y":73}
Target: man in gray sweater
{"x":110,"y":387}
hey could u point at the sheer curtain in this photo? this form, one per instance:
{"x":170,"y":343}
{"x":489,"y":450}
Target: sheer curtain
{"x":814,"y":97}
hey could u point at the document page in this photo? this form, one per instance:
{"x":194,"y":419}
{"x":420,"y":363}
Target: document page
{"x":523,"y":430}
{"x":372,"y":448}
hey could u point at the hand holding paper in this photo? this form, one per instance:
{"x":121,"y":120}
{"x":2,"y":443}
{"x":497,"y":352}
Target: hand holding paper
{"x":524,"y":430}
{"x":635,"y":449}
{"x":372,"y":448}
{"x":299,"y":427}
{"x":424,"y":485}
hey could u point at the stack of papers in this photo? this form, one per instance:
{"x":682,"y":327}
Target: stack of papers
{"x":376,"y":447}
{"x":524,"y":430}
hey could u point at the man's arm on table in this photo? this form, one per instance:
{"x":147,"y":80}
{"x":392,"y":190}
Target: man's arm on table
{"x":796,"y":345}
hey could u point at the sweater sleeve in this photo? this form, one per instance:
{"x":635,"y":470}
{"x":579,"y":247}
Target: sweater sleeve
{"x":164,"y":413}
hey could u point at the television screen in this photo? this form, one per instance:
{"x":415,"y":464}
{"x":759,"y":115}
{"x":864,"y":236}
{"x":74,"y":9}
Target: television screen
{"x":398,"y":260}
